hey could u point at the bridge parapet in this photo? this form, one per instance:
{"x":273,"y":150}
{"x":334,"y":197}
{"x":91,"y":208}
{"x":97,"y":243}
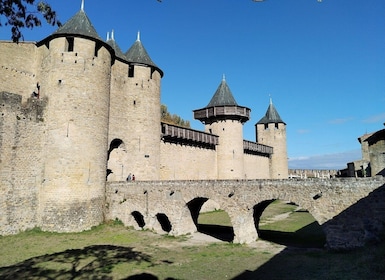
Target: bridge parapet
{"x":325,"y":199}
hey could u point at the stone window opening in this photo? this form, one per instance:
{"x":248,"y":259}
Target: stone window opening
{"x":69,"y":46}
{"x":98,"y":46}
{"x":131,"y":70}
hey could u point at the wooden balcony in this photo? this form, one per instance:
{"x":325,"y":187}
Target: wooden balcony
{"x":188,"y":136}
{"x":256,"y":148}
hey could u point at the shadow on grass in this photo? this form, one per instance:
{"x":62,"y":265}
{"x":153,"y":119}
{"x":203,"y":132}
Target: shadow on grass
{"x":224,"y":233}
{"x":356,"y":256}
{"x":304,"y":264}
{"x":310,"y":236}
{"x":92,"y":262}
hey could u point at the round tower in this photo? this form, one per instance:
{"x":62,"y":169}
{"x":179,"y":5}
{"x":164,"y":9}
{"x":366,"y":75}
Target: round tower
{"x":75,"y":79}
{"x":225,"y":118}
{"x":271,"y":131}
{"x":134,"y":130}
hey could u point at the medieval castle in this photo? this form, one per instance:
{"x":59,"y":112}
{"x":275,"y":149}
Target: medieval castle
{"x":76,"y":112}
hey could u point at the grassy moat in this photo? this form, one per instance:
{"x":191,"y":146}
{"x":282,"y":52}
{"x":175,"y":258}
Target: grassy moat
{"x":291,"y":249}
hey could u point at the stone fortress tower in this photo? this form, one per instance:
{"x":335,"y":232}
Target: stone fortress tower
{"x":271,"y":130}
{"x":134,"y":129}
{"x":75,"y":112}
{"x":225,"y":118}
{"x":76,"y":123}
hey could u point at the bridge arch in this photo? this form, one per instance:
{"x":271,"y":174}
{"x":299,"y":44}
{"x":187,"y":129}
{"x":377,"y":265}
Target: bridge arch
{"x":164,"y":222}
{"x":219,"y":230}
{"x":139,"y":218}
{"x":288,"y":224}
{"x":348,"y":210}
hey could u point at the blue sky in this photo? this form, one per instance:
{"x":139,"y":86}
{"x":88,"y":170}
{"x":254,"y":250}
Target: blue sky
{"x":323,"y":64}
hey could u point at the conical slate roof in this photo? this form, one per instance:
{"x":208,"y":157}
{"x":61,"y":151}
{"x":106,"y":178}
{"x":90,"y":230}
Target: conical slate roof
{"x":222,"y":96}
{"x":79,"y":24}
{"x":271,"y":115}
{"x":222,"y":107}
{"x":118,"y":52}
{"x":138,"y":54}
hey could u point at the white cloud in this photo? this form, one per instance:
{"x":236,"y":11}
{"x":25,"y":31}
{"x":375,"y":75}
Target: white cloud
{"x":326,"y":161}
{"x":303,"y":131}
{"x":341,"y":120}
{"x":375,"y":118}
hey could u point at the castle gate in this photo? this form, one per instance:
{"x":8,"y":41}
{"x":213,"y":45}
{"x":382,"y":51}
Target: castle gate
{"x":350,"y":211}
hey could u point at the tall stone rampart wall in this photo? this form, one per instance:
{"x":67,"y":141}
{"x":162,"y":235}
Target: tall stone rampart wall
{"x":313,"y":173}
{"x":21,"y":134}
{"x":256,"y":166}
{"x":179,"y":162}
{"x":18,"y":68}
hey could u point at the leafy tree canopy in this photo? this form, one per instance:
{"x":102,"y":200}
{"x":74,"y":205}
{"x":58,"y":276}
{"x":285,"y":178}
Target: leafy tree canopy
{"x":172,"y":119}
{"x":25,"y":14}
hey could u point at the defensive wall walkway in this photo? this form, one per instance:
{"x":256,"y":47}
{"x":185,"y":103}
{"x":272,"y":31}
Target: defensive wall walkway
{"x":351,"y":211}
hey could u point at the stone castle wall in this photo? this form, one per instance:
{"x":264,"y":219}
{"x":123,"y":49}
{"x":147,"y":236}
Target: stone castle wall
{"x":18,"y":68}
{"x":135,"y":119}
{"x":313,"y":173}
{"x":229,"y":149}
{"x":256,"y":167}
{"x":377,"y":158}
{"x":21,"y":135}
{"x":183,"y":162}
{"x":275,"y":135}
{"x":54,"y":155}
{"x":76,"y":129}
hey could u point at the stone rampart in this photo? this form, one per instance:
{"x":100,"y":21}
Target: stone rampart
{"x":21,"y":132}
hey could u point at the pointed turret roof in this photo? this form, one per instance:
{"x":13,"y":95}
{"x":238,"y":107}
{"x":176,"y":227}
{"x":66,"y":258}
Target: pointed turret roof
{"x":118,"y":52}
{"x":79,"y":24}
{"x":222,"y":107}
{"x":138,"y":54}
{"x":271,"y":115}
{"x":222,"y":96}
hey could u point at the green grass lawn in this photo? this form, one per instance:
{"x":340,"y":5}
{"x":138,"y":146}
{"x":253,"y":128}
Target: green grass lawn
{"x":112,"y":251}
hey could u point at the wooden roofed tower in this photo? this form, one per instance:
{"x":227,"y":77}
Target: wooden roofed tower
{"x":225,"y":118}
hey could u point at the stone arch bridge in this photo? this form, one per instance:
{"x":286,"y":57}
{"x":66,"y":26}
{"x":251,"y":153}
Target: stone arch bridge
{"x":350,"y":211}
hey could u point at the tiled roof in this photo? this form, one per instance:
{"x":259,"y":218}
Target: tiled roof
{"x":79,"y":24}
{"x":118,"y":52}
{"x":271,"y":115}
{"x":222,"y":96}
{"x":138,"y":54}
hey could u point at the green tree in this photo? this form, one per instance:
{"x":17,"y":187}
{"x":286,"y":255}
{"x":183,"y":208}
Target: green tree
{"x":174,"y":119}
{"x":25,"y":14}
